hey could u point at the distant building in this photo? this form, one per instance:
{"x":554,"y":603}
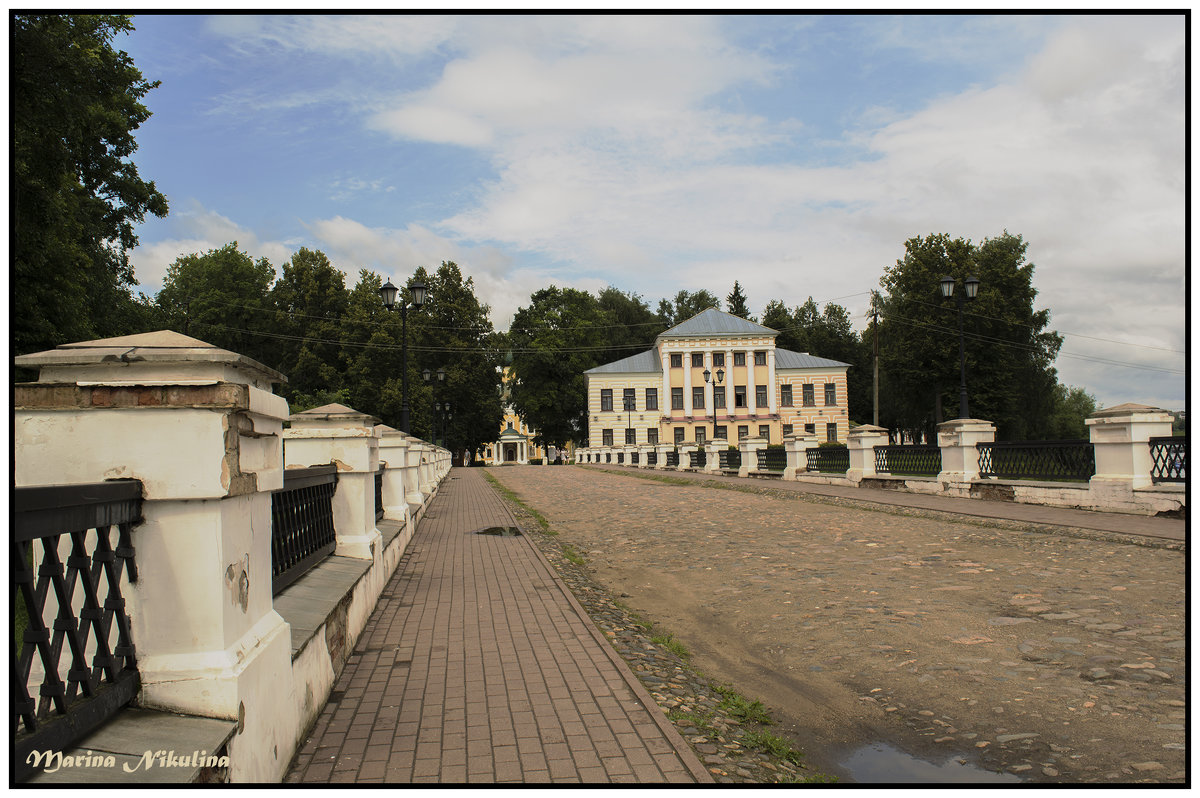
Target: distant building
{"x":753,"y":388}
{"x":515,"y":444}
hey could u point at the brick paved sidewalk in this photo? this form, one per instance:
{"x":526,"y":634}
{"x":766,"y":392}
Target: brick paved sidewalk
{"x":1117,"y":523}
{"x":479,"y":666}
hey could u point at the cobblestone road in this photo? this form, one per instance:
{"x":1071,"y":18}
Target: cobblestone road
{"x":1054,"y":657}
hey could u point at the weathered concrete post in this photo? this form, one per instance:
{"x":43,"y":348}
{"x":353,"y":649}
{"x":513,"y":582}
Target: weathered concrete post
{"x":1121,"y":437}
{"x":393,"y":451}
{"x":749,"y":447}
{"x":412,"y":478}
{"x":712,"y":455}
{"x":861,"y":443}
{"x":797,"y":446}
{"x":347,"y":438}
{"x":644,"y":455}
{"x":663,"y":450}
{"x":685,"y":455}
{"x":960,"y":458}
{"x":201,"y":428}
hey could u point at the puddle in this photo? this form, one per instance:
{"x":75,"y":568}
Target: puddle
{"x":501,"y":531}
{"x":880,"y":763}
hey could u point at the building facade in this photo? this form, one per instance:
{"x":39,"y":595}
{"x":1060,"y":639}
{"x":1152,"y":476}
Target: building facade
{"x":515,"y":444}
{"x":716,"y":376}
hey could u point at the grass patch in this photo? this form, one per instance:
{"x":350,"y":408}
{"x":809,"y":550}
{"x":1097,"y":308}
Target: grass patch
{"x":773,"y":745}
{"x":515,"y":499}
{"x":668,"y":641}
{"x":739,"y":707}
{"x":572,"y":555}
{"x":700,"y":722}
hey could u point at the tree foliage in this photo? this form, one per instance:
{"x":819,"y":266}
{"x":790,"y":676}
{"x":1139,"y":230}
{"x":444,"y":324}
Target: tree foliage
{"x":685,"y":305}
{"x":736,"y":302}
{"x":76,"y":196}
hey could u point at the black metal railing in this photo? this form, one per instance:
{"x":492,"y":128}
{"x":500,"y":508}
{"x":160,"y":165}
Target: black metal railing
{"x":908,"y":460}
{"x":673,"y":458}
{"x":633,"y":458}
{"x":772,"y":459}
{"x":698,"y":458}
{"x":652,"y":458}
{"x":730,"y":459}
{"x":608,"y":457}
{"x":620,"y":458}
{"x":1049,"y":460}
{"x":828,"y":460}
{"x":1168,"y":459}
{"x":379,"y":493}
{"x":302,"y":532}
{"x":70,"y":704}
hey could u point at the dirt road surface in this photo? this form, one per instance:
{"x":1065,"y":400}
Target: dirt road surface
{"x":1050,"y":657}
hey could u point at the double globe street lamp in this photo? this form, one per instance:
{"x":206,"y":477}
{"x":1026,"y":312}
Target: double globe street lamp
{"x":388,"y":293}
{"x":442,"y":413}
{"x":971,"y":286}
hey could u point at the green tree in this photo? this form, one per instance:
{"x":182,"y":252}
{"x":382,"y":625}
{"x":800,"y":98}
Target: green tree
{"x":76,"y":196}
{"x":556,"y":338}
{"x":223,"y":297}
{"x":685,"y":305}
{"x":736,"y":302}
{"x":1009,"y":352}
{"x":1072,"y":406}
{"x":310,"y":301}
{"x":631,"y":326}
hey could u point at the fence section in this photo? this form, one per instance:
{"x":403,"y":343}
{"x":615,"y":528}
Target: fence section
{"x":1168,"y":458}
{"x":829,"y":459}
{"x":772,"y":460}
{"x":730,"y":459}
{"x":698,"y":458}
{"x":379,"y":493}
{"x":73,"y":704}
{"x":1049,"y":460}
{"x":302,"y":532}
{"x":908,"y":460}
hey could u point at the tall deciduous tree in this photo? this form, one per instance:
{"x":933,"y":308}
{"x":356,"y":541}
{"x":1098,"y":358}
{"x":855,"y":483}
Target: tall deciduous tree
{"x":554,"y":340}
{"x":1009,"y":352}
{"x":76,"y":196}
{"x":685,"y":305}
{"x":631,"y":326}
{"x":310,"y":302}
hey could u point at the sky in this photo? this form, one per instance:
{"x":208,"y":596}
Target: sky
{"x":793,"y":153}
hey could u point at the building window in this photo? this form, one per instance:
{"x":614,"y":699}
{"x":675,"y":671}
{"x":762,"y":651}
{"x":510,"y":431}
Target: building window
{"x":697,"y":360}
{"x":787,"y":430}
{"x":652,"y":436}
{"x":630,"y":435}
{"x":720,"y":432}
{"x":719,"y":396}
{"x":606,"y":438}
{"x":785,"y":395}
{"x":676,"y":361}
{"x":830,"y":394}
{"x":679,"y":433}
{"x":760,"y":358}
{"x":651,"y":398}
{"x":676,"y":398}
{"x":831,"y":432}
{"x":809,"y":399}
{"x":739,"y":358}
{"x":811,"y":429}
{"x":629,"y":399}
{"x":605,"y":399}
{"x":743,"y":432}
{"x":764,"y":432}
{"x":739,"y":396}
{"x":697,"y":398}
{"x":760,"y":396}
{"x":700,"y":435}
{"x":718,"y":358}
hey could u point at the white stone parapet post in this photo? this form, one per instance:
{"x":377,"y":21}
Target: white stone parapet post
{"x":861,"y":443}
{"x":749,"y":447}
{"x":685,"y":455}
{"x":347,"y":438}
{"x":712,"y":455}
{"x":644,"y":456}
{"x":960,"y":458}
{"x":663,"y":450}
{"x":201,"y":429}
{"x":393,"y":451}
{"x":797,"y":447}
{"x":1121,"y":438}
{"x":426,"y":481}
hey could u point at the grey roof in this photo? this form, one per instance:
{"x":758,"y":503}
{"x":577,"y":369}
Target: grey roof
{"x":643,"y":362}
{"x":716,"y":322}
{"x":787,"y":359}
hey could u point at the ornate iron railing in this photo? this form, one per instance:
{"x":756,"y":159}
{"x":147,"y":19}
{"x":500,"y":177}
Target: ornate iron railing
{"x":78,"y":521}
{"x":698,"y":458}
{"x":730,"y":459}
{"x":673,"y":458}
{"x":652,"y":458}
{"x":828,"y":460}
{"x":908,"y":460}
{"x":379,"y":493}
{"x":302,"y":532}
{"x":1051,"y":460}
{"x":772,"y":459}
{"x":1168,"y":458}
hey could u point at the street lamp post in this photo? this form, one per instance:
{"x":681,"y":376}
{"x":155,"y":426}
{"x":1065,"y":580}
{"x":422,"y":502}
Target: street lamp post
{"x":972,"y":288}
{"x":388,"y":293}
{"x":427,"y":375}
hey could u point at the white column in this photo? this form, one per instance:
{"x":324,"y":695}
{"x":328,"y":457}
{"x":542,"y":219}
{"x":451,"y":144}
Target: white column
{"x":772,"y":389}
{"x":751,"y":397}
{"x":664,"y":398}
{"x":709,"y":406}
{"x":687,"y":383}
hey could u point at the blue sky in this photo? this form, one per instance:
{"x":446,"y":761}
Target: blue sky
{"x":794,"y":153}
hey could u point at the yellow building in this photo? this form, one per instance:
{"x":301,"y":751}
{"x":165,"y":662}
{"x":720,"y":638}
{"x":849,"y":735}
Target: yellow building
{"x":716,"y":376}
{"x":515,"y":444}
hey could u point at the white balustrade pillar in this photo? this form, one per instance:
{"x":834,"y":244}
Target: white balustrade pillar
{"x":393,"y":450}
{"x":797,"y":446}
{"x":685,"y":455}
{"x":712,"y":455}
{"x":1121,"y":438}
{"x":960,"y":457}
{"x":749,"y":448}
{"x":861,"y":443}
